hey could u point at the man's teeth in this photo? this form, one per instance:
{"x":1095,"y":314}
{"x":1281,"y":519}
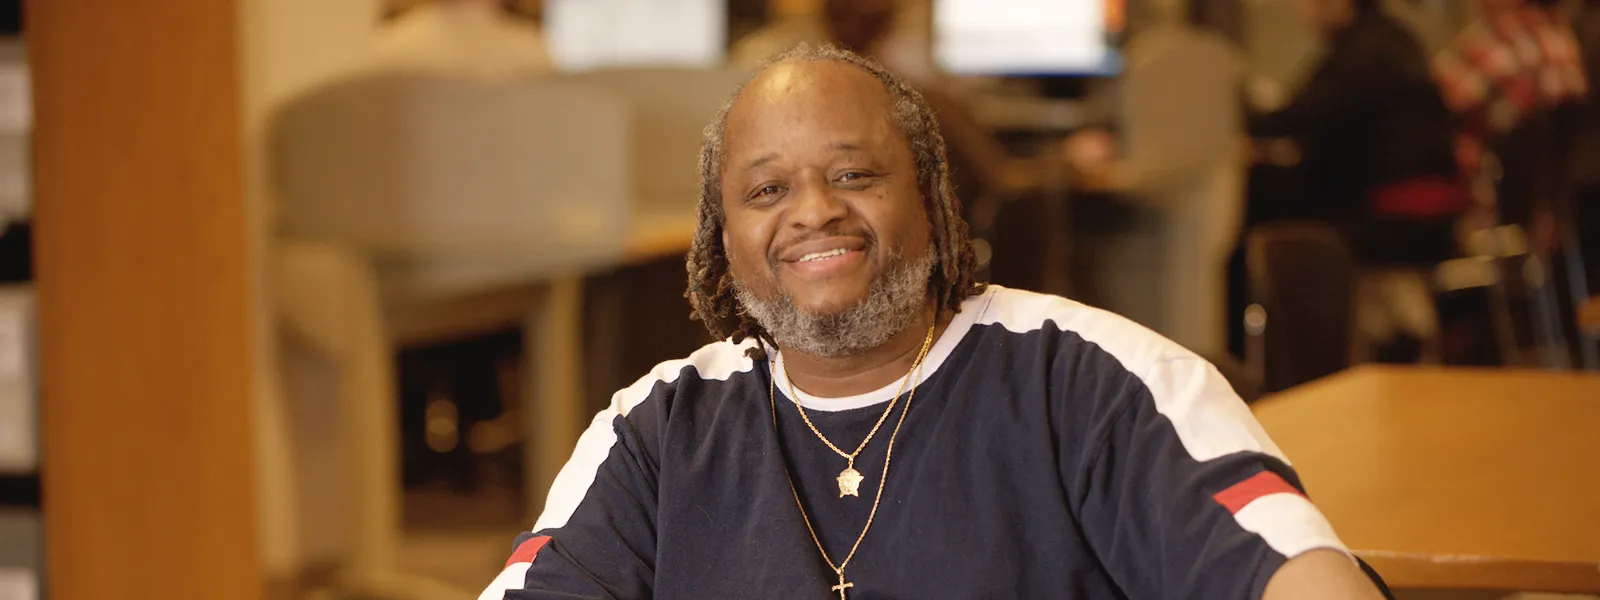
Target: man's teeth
{"x":821,"y":255}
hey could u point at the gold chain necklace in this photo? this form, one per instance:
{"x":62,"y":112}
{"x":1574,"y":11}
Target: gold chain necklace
{"x":850,"y":479}
{"x":772,"y":397}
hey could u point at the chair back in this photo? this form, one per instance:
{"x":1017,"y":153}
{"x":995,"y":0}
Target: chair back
{"x":1302,"y":277}
{"x":671,"y":109}
{"x":534,"y":174}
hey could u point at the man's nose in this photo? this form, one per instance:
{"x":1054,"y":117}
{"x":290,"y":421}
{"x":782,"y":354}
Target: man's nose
{"x":816,"y":206}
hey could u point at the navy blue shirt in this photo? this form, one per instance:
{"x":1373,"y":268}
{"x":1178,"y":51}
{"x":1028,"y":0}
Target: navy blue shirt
{"x":1051,"y":450}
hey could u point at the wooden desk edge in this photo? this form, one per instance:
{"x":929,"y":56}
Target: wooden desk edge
{"x":1413,"y":571}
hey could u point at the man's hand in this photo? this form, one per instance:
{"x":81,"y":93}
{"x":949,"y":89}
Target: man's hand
{"x":1319,"y":575}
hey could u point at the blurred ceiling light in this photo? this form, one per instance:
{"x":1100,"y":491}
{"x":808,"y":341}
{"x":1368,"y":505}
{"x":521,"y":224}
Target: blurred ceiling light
{"x":441,"y":431}
{"x":491,"y":437}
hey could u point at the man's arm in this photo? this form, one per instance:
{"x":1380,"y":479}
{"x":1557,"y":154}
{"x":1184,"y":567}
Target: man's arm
{"x":1319,"y":575}
{"x":1184,"y":496}
{"x":596,"y":537}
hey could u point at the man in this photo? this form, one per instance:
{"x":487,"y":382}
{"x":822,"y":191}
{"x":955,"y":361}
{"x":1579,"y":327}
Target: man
{"x":1040,"y":448}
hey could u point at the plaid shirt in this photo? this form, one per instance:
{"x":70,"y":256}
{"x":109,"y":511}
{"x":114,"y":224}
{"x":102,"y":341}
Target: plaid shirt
{"x":1501,"y":69}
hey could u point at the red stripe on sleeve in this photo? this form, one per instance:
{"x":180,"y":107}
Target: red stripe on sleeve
{"x":528,"y":549}
{"x":1261,"y":484}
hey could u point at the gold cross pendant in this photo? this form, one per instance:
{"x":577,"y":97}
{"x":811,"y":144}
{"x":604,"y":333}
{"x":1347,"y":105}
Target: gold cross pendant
{"x":843,"y":585}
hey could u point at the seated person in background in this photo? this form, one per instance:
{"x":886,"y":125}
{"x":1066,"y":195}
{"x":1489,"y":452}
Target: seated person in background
{"x":1047,"y":449}
{"x":1374,"y":137}
{"x":1519,"y":59}
{"x":1376,"y":163}
{"x":873,"y":27}
{"x":1586,"y":156}
{"x":479,"y":38}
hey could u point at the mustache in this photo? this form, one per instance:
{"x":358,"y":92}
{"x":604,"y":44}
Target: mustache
{"x":870,"y":238}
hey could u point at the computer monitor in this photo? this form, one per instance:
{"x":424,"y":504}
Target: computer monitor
{"x":590,"y":34}
{"x":1028,"y":37}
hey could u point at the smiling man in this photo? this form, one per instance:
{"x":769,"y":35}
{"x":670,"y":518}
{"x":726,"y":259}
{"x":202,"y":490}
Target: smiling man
{"x":879,"y":425}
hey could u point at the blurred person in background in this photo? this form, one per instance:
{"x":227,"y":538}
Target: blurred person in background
{"x":479,"y":38}
{"x":1374,"y":143}
{"x":789,"y":23}
{"x":1586,"y":155}
{"x":894,"y":31}
{"x":1374,"y":136}
{"x":1518,"y":60}
{"x":1516,"y":80}
{"x":1181,"y":156}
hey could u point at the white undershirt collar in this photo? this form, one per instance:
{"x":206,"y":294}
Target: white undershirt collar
{"x":959,"y":326}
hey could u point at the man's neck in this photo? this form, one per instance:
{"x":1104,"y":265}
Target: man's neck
{"x":844,"y":376}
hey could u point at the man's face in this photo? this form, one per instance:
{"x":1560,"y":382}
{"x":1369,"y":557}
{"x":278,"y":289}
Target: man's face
{"x":823,"y":216}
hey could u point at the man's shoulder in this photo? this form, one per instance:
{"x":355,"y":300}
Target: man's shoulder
{"x":1071,"y":326}
{"x":717,"y":362}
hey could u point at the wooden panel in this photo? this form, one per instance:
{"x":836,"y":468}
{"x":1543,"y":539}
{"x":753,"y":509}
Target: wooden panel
{"x":144,"y":291}
{"x":1453,"y":478}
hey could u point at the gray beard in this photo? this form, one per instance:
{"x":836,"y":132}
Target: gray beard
{"x":893,"y":301}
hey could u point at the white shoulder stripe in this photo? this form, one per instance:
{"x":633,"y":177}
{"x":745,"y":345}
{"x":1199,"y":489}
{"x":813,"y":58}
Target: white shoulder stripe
{"x":513,"y":578}
{"x":1290,"y":524}
{"x":1209,"y":418}
{"x":717,"y":361}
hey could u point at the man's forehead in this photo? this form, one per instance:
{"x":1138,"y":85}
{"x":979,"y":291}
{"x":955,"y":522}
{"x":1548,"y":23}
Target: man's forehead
{"x":812,"y":84}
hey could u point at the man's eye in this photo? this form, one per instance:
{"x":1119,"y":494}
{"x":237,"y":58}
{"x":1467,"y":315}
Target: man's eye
{"x":856,"y":177}
{"x":766,"y":190}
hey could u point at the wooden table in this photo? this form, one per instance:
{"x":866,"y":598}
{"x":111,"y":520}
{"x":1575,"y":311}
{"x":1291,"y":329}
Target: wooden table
{"x":1447,"y":478}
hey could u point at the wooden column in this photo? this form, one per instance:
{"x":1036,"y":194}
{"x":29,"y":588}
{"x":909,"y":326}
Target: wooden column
{"x":143,"y":264}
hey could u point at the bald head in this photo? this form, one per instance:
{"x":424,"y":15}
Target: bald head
{"x":798,"y":97}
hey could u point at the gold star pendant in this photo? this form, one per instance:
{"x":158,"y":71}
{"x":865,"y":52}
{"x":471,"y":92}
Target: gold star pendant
{"x":850,"y":482}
